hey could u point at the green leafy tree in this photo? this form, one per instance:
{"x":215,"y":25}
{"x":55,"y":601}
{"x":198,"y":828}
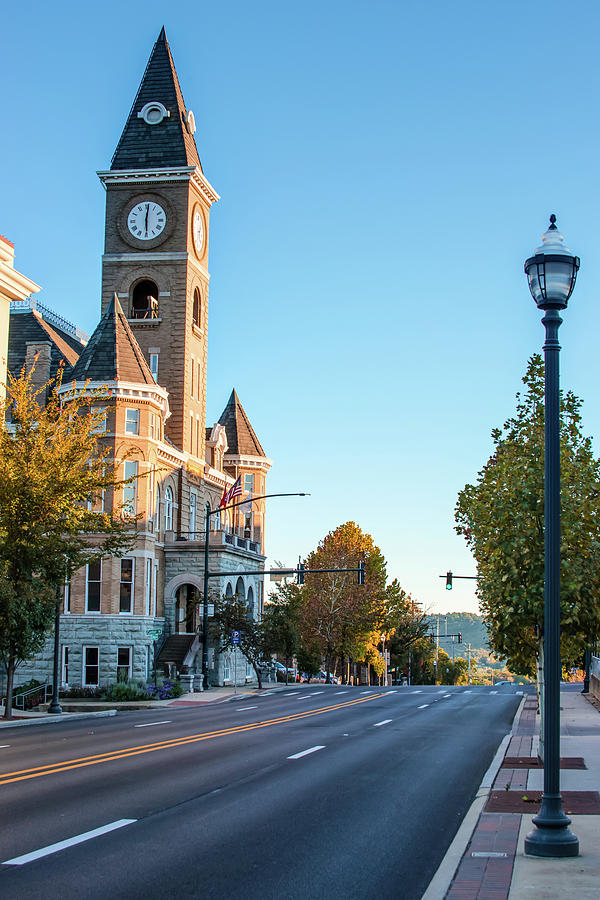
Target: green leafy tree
{"x":232,"y":614}
{"x":51,"y":464}
{"x":501,"y":517}
{"x":281,"y":621}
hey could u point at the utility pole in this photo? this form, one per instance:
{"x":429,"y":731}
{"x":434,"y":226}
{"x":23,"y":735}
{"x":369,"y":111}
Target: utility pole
{"x":469,"y":652}
{"x":437,"y":647}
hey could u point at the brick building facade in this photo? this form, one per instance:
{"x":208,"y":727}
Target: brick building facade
{"x":148,"y":354}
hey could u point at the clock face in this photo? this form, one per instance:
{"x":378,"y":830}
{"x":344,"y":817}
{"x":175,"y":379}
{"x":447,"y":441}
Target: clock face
{"x":198,"y":231}
{"x":146,"y":220}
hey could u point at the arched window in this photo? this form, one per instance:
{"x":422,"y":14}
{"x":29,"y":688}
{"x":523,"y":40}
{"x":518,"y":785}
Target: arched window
{"x":144,"y":302}
{"x":157,"y":511}
{"x":240,"y":590}
{"x":229,"y":590}
{"x":250,"y":600}
{"x":197,"y":310}
{"x":169,"y":509}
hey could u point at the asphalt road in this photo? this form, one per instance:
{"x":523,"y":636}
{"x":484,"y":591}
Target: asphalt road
{"x":309,"y":793}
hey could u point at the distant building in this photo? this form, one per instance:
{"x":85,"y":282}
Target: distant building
{"x":148,"y":353}
{"x":13,"y":287}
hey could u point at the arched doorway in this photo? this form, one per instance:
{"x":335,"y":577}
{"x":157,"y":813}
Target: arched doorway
{"x":187,"y":613}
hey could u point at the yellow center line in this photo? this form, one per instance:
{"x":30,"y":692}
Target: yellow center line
{"x":123,"y":753}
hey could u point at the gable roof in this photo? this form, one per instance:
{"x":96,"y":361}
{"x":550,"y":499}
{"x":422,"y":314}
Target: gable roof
{"x":241,"y":438}
{"x":112,"y":352}
{"x":30,"y":327}
{"x":167,"y":143}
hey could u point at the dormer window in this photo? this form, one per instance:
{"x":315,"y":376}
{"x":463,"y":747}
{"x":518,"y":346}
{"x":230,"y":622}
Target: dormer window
{"x":144,"y":302}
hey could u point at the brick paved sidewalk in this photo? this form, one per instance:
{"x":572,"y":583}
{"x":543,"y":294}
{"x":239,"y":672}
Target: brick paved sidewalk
{"x":485,"y":871}
{"x":493,"y":865}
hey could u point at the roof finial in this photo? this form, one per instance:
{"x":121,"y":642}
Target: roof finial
{"x":552,"y":223}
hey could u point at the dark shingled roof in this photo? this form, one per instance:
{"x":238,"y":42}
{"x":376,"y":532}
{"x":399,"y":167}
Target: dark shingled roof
{"x":240,"y":434}
{"x":30,"y":327}
{"x":168,"y":143}
{"x":112,"y":353}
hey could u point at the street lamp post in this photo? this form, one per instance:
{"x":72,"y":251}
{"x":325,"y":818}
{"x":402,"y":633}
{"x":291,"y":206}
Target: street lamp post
{"x":210,"y":512}
{"x":551,"y":274}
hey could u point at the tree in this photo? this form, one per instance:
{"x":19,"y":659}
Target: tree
{"x":232,"y":614}
{"x":51,"y":465}
{"x":336,"y":611}
{"x":501,"y":517}
{"x":281,"y":621}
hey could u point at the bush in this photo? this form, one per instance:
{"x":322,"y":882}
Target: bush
{"x":166,"y":690}
{"x":84,"y":693}
{"x":128,"y":690}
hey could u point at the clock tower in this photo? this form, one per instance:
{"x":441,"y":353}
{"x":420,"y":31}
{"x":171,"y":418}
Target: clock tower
{"x":156,"y":243}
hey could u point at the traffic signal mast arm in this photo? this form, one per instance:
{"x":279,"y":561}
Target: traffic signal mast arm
{"x":300,"y":571}
{"x":442,"y":637}
{"x":449,"y":576}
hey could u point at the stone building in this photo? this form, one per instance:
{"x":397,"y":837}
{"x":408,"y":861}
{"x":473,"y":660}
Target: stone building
{"x":148,"y":355}
{"x":14,"y":288}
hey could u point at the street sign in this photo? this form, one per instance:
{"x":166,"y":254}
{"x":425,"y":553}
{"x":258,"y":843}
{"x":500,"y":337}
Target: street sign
{"x":154,"y":633}
{"x":235,"y":638}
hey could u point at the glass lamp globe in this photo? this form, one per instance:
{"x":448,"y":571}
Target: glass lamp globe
{"x":551,"y":273}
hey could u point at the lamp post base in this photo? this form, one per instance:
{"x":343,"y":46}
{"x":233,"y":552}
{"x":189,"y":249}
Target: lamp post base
{"x":55,"y":708}
{"x":552,"y":836}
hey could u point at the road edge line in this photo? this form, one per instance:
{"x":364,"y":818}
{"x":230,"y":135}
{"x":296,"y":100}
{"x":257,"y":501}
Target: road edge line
{"x":439,"y":885}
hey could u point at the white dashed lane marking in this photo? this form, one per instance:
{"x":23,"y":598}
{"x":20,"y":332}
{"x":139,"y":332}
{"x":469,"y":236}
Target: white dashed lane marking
{"x":148,"y":724}
{"x":424,"y":706}
{"x":385,"y":722}
{"x":244,"y":708}
{"x":70,"y":842}
{"x":306,"y":752}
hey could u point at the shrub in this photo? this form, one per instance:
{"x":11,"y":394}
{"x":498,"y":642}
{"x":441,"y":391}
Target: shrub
{"x":83,"y":693}
{"x":166,"y":690}
{"x":128,"y":690}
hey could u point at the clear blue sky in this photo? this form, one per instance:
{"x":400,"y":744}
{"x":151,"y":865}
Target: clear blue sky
{"x":385,"y":168}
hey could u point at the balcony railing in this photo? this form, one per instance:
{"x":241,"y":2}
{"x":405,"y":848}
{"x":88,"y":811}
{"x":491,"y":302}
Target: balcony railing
{"x":218,"y":538}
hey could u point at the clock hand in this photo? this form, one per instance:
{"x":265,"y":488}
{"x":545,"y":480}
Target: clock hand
{"x":147,"y":210}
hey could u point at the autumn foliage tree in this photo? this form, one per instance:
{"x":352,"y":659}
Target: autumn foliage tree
{"x":51,"y":465}
{"x":501,"y":517}
{"x":337,"y":613}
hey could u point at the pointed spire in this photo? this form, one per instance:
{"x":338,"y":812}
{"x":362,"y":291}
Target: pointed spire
{"x":112,"y":353}
{"x":241,"y":438}
{"x":159,"y":131}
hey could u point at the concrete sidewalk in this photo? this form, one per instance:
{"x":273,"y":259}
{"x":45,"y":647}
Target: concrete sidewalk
{"x":493,"y":865}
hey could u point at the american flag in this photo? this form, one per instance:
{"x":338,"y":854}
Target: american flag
{"x":234,"y":491}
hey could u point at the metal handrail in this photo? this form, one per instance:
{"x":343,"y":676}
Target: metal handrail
{"x":47,"y":688}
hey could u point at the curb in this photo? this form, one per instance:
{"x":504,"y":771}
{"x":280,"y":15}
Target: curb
{"x":63,"y":717}
{"x":440,"y":883}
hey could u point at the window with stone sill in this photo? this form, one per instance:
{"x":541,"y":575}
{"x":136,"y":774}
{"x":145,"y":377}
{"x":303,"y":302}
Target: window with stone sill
{"x":168,"y":509}
{"x":93,"y":587}
{"x":130,"y":470}
{"x":65,"y":666}
{"x":126,"y":586}
{"x":132,"y":421}
{"x":123,"y":663}
{"x":91,"y":667}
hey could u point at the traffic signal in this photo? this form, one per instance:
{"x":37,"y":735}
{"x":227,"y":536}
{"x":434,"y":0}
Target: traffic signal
{"x":432,"y":639}
{"x":361,"y":572}
{"x":448,"y":581}
{"x":300,"y":573}
{"x":460,"y":637}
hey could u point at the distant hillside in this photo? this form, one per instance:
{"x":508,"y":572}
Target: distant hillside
{"x":469,"y":625}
